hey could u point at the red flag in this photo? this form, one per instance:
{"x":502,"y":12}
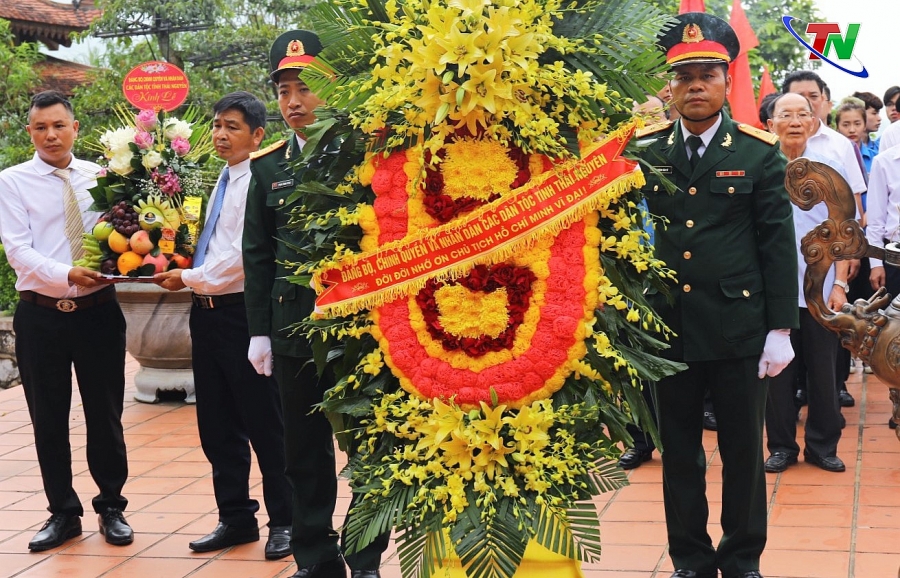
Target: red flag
{"x":742,"y":99}
{"x":692,"y":6}
{"x":766,"y":86}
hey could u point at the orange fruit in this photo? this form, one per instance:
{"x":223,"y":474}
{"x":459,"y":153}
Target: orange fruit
{"x":118,"y":242}
{"x":129,"y":261}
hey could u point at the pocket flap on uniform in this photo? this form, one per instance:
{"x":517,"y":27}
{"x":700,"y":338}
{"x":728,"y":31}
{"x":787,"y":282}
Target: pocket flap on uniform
{"x":731,"y":185}
{"x":284,"y":291}
{"x":278,"y":198}
{"x":742,"y":286}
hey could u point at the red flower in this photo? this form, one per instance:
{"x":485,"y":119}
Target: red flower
{"x":516,"y":280}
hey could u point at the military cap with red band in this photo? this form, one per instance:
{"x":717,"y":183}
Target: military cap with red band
{"x":295,"y":49}
{"x":699,"y":37}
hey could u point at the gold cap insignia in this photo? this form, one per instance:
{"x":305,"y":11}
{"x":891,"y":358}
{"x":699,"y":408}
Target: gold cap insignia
{"x":692,"y":33}
{"x":295,"y":48}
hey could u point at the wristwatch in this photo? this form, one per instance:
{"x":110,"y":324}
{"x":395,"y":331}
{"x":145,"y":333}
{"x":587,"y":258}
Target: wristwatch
{"x":842,"y":284}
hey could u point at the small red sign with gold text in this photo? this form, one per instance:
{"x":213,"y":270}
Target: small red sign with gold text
{"x":157,"y":85}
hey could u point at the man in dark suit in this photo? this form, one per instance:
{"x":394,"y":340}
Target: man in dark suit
{"x":730,"y":237}
{"x":273,"y":305}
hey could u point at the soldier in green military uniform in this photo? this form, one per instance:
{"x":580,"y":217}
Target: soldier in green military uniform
{"x":273,"y":304}
{"x":729,"y":236}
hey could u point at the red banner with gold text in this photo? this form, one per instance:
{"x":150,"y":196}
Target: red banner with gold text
{"x":551,"y":200}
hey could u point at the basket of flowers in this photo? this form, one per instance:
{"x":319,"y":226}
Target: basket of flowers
{"x":151,"y":192}
{"x":474,"y":234}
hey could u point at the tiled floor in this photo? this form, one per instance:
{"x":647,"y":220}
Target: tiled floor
{"x":821,"y":525}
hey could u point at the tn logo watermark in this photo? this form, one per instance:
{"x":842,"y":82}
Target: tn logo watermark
{"x":828,"y":40}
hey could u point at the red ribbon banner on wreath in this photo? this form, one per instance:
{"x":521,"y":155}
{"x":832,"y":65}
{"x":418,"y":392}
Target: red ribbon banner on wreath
{"x":550,"y":202}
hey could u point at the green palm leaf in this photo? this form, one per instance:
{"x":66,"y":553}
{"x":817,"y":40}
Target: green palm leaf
{"x":619,"y":36}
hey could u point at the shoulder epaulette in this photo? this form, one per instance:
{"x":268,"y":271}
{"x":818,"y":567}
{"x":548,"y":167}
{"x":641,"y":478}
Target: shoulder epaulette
{"x":762,"y":135}
{"x":653,"y":129}
{"x":272,"y":147}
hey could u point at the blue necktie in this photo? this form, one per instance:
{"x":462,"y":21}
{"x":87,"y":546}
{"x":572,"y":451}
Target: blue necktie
{"x":206,"y":235}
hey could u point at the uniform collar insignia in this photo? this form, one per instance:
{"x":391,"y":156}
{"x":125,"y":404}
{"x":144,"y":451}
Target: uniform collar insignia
{"x":671,"y":140}
{"x":727,"y":142}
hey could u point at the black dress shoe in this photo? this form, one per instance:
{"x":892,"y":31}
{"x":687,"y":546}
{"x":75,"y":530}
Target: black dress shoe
{"x":115,"y":528}
{"x":892,"y":424}
{"x":845,"y":399}
{"x":56,"y":530}
{"x":279,"y":543}
{"x":828,"y":463}
{"x":691,"y":574}
{"x":750,"y":574}
{"x":779,"y":461}
{"x":632,"y":458}
{"x":709,"y":421}
{"x":365,"y":574}
{"x":224,"y":536}
{"x":330,"y":569}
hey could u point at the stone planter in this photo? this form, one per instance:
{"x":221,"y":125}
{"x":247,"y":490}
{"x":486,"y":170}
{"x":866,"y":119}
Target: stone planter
{"x":9,"y":369}
{"x":159,"y":338}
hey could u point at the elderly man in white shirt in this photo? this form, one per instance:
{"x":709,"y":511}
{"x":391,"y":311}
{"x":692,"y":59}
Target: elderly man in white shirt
{"x":66,"y":316}
{"x":825,"y":141}
{"x":792,"y":119}
{"x":236,"y":406}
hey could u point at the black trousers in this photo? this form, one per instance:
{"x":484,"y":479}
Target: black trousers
{"x":48,"y":343}
{"x":237,"y":408}
{"x":739,"y":399}
{"x":309,"y":450}
{"x":818,"y":347}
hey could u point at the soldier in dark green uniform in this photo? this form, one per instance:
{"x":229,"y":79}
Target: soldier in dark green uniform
{"x":273,"y":304}
{"x":730,"y":238}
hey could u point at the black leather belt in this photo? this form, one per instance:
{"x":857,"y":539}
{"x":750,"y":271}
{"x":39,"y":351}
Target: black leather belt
{"x":69,"y":305}
{"x":214,"y":301}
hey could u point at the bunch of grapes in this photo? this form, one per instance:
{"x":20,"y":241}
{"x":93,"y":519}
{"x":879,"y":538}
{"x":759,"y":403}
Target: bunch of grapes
{"x":124,"y":218}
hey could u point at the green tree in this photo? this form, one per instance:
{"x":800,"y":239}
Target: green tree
{"x":222,"y":45}
{"x":19,"y":80}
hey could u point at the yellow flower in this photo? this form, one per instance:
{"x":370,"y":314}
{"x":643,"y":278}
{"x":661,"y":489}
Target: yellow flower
{"x":444,"y":420}
{"x":372,"y":363}
{"x":487,"y":428}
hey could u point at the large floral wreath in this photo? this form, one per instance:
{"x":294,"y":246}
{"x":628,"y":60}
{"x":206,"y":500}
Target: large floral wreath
{"x":480,"y":401}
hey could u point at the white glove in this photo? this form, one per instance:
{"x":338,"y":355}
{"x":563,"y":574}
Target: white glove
{"x":260,"y":354}
{"x":777,"y":353}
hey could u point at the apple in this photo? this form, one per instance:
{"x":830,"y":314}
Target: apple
{"x":160,"y":262}
{"x":140,"y":243}
{"x":181,"y":261}
{"x":102,"y":230}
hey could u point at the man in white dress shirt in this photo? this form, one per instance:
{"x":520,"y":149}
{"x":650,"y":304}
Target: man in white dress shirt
{"x":236,"y":406}
{"x":66,"y":316}
{"x":825,"y":141}
{"x":792,"y":119}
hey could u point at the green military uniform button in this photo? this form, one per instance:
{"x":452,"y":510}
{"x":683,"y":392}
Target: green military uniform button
{"x":730,"y":190}
{"x":692,"y":190}
{"x":687,"y":254}
{"x":280,"y":201}
{"x":689,"y":223}
{"x":746,"y":293}
{"x":655,"y":188}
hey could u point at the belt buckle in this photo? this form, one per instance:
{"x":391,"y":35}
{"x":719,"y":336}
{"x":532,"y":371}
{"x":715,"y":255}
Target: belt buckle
{"x":66,"y":305}
{"x":205,"y":301}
